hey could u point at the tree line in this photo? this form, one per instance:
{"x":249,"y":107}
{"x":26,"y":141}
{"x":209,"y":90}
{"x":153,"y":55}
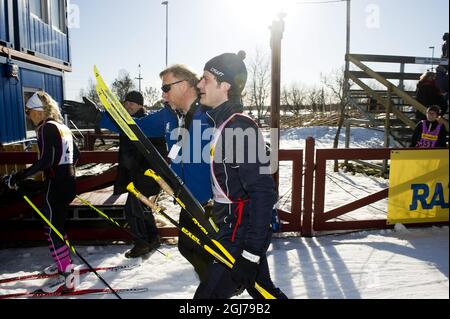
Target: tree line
{"x":123,"y":84}
{"x":296,"y":98}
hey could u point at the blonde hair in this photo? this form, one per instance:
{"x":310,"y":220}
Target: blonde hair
{"x":182,"y":72}
{"x":50,"y":106}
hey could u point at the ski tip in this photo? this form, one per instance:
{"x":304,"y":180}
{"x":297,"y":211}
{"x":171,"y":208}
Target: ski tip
{"x":96,"y":70}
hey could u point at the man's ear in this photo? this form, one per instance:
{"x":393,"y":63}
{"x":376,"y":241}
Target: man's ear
{"x":225,"y":86}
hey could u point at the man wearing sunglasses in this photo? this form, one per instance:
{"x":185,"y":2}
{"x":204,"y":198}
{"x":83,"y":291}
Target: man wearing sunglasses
{"x":182,"y":122}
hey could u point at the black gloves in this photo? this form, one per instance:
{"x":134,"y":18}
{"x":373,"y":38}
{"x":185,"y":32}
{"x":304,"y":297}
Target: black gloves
{"x":11,"y":181}
{"x":87,"y":112}
{"x":244,"y":272}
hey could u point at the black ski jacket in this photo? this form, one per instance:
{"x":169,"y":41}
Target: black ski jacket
{"x":132,"y":165}
{"x":240,"y":178}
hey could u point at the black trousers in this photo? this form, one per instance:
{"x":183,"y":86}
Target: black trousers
{"x":190,"y":250}
{"x":59,"y":195}
{"x":142,"y":224}
{"x":220,"y":285}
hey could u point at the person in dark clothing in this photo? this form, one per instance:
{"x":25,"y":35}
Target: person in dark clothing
{"x":428,"y":93}
{"x":132,"y":166}
{"x":430,"y":133}
{"x":57,"y":159}
{"x":442,"y":84}
{"x":244,"y":191}
{"x":444,"y":54}
{"x":182,"y":123}
{"x":373,"y":104}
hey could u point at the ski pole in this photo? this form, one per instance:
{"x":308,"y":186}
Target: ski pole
{"x":168,"y":190}
{"x":159,"y":210}
{"x":114,"y":222}
{"x":69,"y":245}
{"x":229,"y":263}
{"x":165,"y":187}
{"x":129,"y":128}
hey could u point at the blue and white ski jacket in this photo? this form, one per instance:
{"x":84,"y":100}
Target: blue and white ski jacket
{"x":189,"y":147}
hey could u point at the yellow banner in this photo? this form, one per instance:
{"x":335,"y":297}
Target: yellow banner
{"x":418,"y":186}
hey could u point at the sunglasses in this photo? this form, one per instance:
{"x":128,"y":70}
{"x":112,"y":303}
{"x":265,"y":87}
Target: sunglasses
{"x":27,"y":111}
{"x":166,"y":87}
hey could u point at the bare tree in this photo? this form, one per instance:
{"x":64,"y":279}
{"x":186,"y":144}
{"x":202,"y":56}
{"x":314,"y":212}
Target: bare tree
{"x":152,"y":96}
{"x":321,"y":100}
{"x":258,"y":88}
{"x":122,"y":85}
{"x":285,"y":100}
{"x":313,"y":98}
{"x":336,"y":83}
{"x":293,"y":98}
{"x":90,"y":92}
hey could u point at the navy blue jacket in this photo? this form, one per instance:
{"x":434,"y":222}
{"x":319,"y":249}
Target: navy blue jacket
{"x":132,"y":165}
{"x":241,"y":179}
{"x":189,"y":165}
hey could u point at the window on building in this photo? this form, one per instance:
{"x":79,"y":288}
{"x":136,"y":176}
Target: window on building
{"x":58,"y":14}
{"x":35,"y":7}
{"x":39,"y":8}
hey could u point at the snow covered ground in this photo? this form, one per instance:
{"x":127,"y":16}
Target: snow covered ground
{"x":387,"y":264}
{"x":377,"y":264}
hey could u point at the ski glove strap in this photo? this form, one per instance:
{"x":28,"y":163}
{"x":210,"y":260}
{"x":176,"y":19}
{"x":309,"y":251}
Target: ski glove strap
{"x":251,"y":257}
{"x":244,"y":272}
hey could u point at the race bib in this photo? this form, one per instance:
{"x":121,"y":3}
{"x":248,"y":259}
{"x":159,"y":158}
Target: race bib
{"x":175,"y":150}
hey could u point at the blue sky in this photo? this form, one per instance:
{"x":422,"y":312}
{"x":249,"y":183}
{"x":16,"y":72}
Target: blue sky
{"x":118,"y":34}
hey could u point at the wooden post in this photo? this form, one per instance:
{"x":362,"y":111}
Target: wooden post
{"x":347,"y":134}
{"x":347,"y":137}
{"x":401,"y":84}
{"x":277,"y":30}
{"x":307,"y":230}
{"x":387,"y":128}
{"x":347,"y":49}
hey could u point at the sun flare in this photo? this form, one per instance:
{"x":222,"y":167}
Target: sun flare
{"x":256,"y":12}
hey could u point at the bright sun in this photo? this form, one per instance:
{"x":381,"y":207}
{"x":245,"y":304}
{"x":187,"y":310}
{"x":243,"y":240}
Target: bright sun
{"x":261,"y":11}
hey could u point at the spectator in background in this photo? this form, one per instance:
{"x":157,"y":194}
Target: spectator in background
{"x":373,"y":103}
{"x":430,"y":133}
{"x":428,"y":93}
{"x":442,"y":84}
{"x":132,"y":166}
{"x":445,"y":46}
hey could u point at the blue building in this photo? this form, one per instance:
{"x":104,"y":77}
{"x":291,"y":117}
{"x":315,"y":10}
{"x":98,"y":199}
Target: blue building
{"x":34,"y":54}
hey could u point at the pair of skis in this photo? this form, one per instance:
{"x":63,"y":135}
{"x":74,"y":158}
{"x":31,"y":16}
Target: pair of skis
{"x":77,"y":292}
{"x":167,"y":178}
{"x":80,"y":271}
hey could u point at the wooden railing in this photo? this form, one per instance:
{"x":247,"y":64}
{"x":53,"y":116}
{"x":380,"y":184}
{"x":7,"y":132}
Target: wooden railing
{"x":357,"y":59}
